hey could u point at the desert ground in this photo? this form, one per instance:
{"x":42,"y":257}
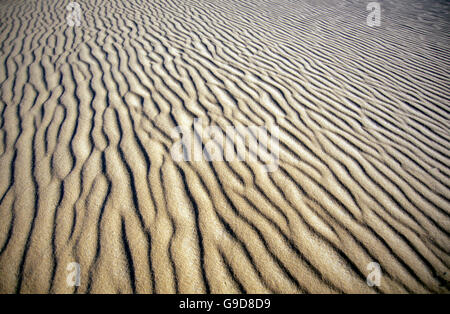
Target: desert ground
{"x":90,"y":96}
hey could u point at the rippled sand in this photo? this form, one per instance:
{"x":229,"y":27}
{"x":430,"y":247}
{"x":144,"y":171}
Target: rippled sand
{"x":86,"y":174}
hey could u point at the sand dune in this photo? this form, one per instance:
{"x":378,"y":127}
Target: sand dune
{"x":87,"y":176}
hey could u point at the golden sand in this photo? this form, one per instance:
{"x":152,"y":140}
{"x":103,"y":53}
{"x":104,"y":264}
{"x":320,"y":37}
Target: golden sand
{"x":86,"y":173}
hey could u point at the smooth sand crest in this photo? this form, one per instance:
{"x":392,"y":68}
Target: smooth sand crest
{"x":86,"y":173}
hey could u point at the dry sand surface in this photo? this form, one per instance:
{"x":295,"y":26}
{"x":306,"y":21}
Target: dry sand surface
{"x":87,"y":175}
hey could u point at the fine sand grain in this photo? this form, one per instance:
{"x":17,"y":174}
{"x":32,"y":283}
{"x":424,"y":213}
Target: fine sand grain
{"x":86,"y":120}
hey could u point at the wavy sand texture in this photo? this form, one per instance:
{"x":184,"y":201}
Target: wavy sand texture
{"x":86,"y":173}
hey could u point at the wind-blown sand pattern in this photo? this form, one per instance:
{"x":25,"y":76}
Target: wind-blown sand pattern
{"x":86,"y":174}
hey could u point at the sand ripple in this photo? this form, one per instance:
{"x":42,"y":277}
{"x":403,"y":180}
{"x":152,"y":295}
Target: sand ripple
{"x":86,"y":173}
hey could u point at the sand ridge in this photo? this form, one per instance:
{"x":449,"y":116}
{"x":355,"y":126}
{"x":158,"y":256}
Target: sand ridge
{"x":86,"y":120}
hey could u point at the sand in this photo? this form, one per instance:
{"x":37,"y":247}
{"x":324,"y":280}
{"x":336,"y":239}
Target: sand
{"x":86,"y":173}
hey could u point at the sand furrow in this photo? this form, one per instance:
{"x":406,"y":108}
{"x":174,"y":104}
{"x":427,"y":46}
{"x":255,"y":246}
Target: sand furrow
{"x":87,"y":135}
